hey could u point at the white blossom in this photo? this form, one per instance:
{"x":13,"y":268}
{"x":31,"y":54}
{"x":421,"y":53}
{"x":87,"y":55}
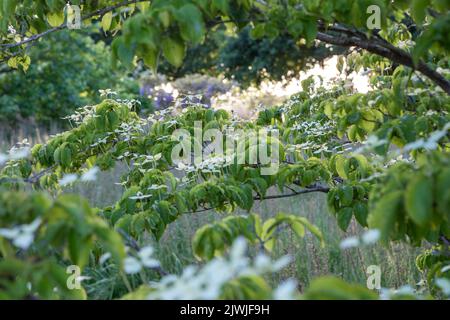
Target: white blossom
{"x":104,"y":257}
{"x":144,"y":259}
{"x":68,"y":179}
{"x":145,"y":255}
{"x":140,"y":196}
{"x":3,"y":158}
{"x":132,"y":265}
{"x":445,"y":269}
{"x":157,"y":187}
{"x":444,"y":284}
{"x":350,"y":242}
{"x":90,"y":175}
{"x":19,"y":153}
{"x":286,"y":290}
{"x":206,"y":282}
{"x":387,"y":294}
{"x":22,"y":236}
{"x":371,"y":236}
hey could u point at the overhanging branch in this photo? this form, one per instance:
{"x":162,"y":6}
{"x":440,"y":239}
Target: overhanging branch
{"x":384,"y":49}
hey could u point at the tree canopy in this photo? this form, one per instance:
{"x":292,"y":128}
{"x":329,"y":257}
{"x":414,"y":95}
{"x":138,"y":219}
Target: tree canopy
{"x":405,"y":32}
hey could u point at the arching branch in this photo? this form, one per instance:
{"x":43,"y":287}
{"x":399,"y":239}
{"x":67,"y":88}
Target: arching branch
{"x":311,"y":189}
{"x":349,"y":38}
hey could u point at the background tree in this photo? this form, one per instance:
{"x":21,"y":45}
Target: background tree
{"x":68,"y":71}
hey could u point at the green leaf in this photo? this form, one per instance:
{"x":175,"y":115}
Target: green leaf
{"x":419,"y":10}
{"x":106,"y":21}
{"x":192,"y":26}
{"x":12,"y":62}
{"x":79,"y":249}
{"x":332,"y":288}
{"x":260,"y":185}
{"x":174,"y":51}
{"x":342,"y":166}
{"x":65,"y":155}
{"x":298,"y":228}
{"x":150,"y":58}
{"x":55,"y":19}
{"x":312,"y":228}
{"x":443,"y":194}
{"x":360,"y":212}
{"x":122,"y":51}
{"x":258,"y":31}
{"x":310,"y":31}
{"x":8,"y":7}
{"x":384,"y":214}
{"x":222,"y":5}
{"x":295,"y":28}
{"x":124,"y":223}
{"x":344,"y":216}
{"x":346,"y":195}
{"x":419,"y":199}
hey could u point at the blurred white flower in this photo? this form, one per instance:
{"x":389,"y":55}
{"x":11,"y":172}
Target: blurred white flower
{"x":68,"y":179}
{"x":140,"y":196}
{"x":444,"y":284}
{"x":181,"y":166}
{"x":429,"y":144}
{"x":11,"y":29}
{"x":17,"y":154}
{"x":350,"y":242}
{"x":281,"y":263}
{"x":262,"y":262}
{"x":144,"y":259}
{"x":104,"y":257}
{"x":149,"y":158}
{"x":23,"y":240}
{"x":145,"y":254}
{"x":107,"y":92}
{"x":3,"y":158}
{"x":238,"y":248}
{"x":445,"y":269}
{"x":207,"y":281}
{"x":22,"y":236}
{"x":132,"y":265}
{"x":157,"y":187}
{"x":371,"y":236}
{"x":90,"y":175}
{"x":387,"y":294}
{"x":371,"y":143}
{"x":286,"y":290}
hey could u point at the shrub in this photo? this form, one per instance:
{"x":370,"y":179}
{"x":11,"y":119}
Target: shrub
{"x":67,"y":72}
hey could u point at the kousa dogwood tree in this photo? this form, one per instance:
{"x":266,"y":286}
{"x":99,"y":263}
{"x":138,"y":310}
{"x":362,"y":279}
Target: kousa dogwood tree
{"x":382,"y":157}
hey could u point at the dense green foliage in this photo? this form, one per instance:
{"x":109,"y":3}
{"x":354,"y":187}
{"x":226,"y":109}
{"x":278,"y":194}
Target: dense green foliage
{"x":381,"y":157}
{"x":66,"y":73}
{"x":154,"y":198}
{"x":248,"y":60}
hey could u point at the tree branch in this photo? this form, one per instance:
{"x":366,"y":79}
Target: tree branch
{"x":354,"y":38}
{"x":311,"y":189}
{"x":384,"y":49}
{"x":99,"y":12}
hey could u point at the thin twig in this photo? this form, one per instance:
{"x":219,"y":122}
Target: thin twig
{"x":99,"y":12}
